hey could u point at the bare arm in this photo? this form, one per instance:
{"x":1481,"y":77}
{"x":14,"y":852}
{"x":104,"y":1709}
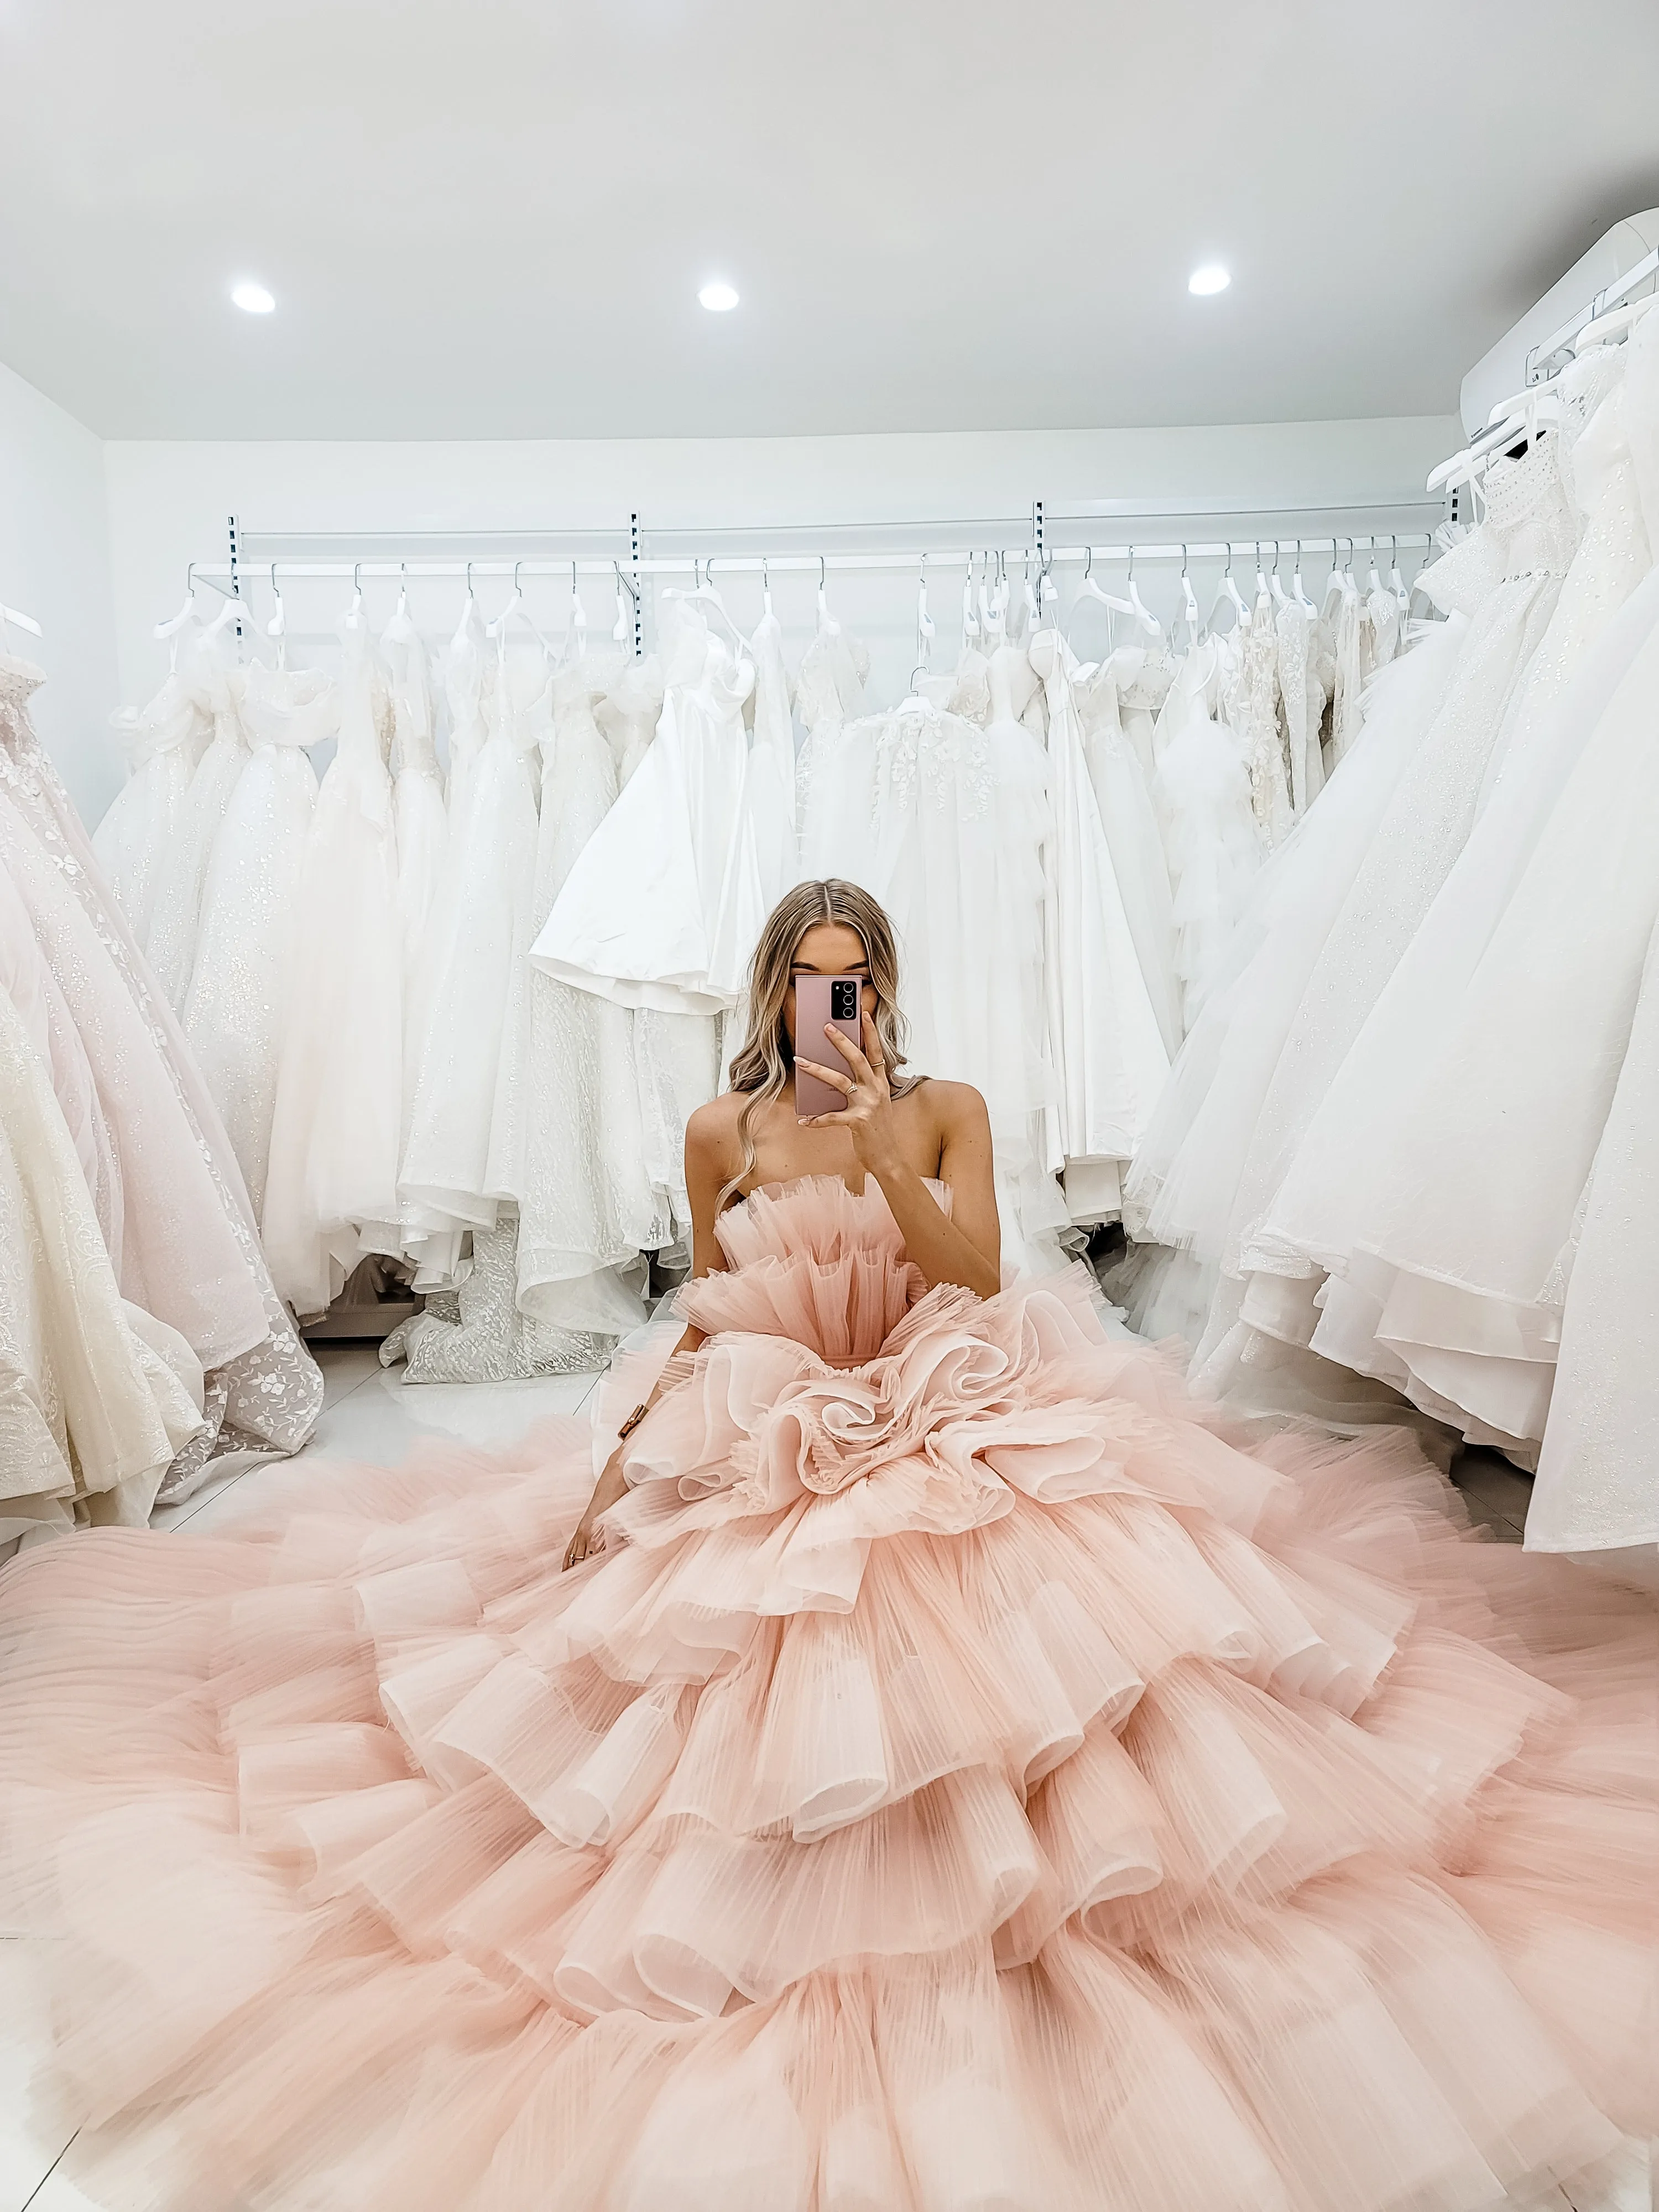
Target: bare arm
{"x":963,"y":1246}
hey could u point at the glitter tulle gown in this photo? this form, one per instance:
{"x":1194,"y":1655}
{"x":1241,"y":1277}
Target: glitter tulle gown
{"x":980,"y":1779}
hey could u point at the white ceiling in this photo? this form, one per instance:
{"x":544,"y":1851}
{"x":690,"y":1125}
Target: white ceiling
{"x":491,"y":220}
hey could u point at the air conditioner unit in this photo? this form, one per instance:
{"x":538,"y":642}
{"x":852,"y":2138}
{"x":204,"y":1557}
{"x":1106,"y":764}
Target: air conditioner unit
{"x":1509,"y":365}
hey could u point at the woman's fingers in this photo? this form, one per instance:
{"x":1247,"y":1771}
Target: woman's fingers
{"x":873,"y":1051}
{"x":835,"y":1077}
{"x":848,"y":1051}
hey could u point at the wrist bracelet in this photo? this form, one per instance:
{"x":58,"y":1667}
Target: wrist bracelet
{"x":633,"y":1419}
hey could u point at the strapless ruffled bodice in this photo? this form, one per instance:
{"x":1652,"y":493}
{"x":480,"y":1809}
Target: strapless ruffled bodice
{"x":814,"y":1261}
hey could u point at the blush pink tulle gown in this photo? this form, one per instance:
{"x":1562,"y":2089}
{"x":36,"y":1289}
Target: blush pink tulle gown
{"x":983,"y":1781}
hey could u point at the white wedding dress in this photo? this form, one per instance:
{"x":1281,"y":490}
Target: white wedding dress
{"x":1342,"y":1182}
{"x":236,"y":1007}
{"x":829,"y":787}
{"x":1415,"y":843}
{"x":479,"y":922}
{"x":187,"y":1250}
{"x":1597,"y":1494}
{"x":568,"y":1146}
{"x":673,"y":828}
{"x":335,"y":1127}
{"x":1211,"y":836}
{"x":1121,"y":768}
{"x":761,"y":864}
{"x":1182,"y":1188}
{"x":1110,"y":1058}
{"x":141,"y":825}
{"x":1469,"y":1268}
{"x":177,"y":910}
{"x":91,"y":1416}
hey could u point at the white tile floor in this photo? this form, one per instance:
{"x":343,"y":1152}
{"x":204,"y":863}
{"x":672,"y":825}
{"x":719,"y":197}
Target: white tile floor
{"x":368,"y":1415}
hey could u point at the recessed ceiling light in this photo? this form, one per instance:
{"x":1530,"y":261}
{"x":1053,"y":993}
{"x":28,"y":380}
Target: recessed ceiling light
{"x":253,"y":299}
{"x":718,"y":298}
{"x":1211,"y":277}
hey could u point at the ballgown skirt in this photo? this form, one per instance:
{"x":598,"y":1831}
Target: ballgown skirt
{"x":980,"y":1778}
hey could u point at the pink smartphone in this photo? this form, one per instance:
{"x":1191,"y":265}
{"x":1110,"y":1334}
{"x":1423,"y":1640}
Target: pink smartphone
{"x":818,"y":999}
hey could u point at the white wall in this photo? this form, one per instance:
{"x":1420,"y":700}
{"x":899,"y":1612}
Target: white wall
{"x":169,"y":503}
{"x":54,"y":565}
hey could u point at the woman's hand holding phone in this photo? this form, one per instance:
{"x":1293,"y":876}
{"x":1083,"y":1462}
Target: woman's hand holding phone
{"x":867,"y":1114}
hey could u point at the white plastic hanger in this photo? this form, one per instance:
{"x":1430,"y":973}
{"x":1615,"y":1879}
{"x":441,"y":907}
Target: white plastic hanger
{"x":622,"y":631}
{"x":401,"y":629}
{"x":514,"y":610}
{"x":706,"y":593}
{"x":186,"y":613}
{"x":970,"y":619}
{"x":1033,"y":605}
{"x":1189,"y":613}
{"x":766,"y":586}
{"x":1143,"y":613}
{"x":925,"y":623}
{"x":1088,"y":589}
{"x":1396,"y":582}
{"x":1614,"y":324}
{"x":14,"y":618}
{"x":1298,"y":589}
{"x":828,"y":626}
{"x":1281,"y":596}
{"x":1231,"y":594}
{"x":575,"y":625}
{"x":276,"y":627}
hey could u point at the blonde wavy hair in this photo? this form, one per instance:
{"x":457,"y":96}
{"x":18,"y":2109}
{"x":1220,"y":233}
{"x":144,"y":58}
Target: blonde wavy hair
{"x":764,"y":1063}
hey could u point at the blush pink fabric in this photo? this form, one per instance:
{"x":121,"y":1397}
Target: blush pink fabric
{"x":982,"y":1778}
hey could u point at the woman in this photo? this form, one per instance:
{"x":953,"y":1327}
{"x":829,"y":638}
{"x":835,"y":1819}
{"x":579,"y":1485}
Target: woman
{"x":970,"y":1775}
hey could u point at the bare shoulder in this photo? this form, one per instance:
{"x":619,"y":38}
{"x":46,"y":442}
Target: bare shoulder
{"x":956,"y":1108}
{"x":712,"y":1129}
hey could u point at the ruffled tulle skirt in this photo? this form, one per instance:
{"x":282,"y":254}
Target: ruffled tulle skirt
{"x":979,"y":1780}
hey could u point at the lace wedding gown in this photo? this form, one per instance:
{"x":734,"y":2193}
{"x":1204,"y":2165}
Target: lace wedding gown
{"x":979,"y":1778}
{"x":186,"y":1248}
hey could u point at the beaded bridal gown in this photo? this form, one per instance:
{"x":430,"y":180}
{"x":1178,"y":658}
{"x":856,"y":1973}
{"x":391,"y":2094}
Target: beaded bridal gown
{"x":979,"y":1780}
{"x":172,"y":1209}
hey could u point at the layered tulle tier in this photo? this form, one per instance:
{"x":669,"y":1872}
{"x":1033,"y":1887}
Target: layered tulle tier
{"x":979,"y":1778}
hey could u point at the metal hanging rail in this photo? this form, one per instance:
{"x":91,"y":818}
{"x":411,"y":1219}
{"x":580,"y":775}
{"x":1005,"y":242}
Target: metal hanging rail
{"x":755,"y":564}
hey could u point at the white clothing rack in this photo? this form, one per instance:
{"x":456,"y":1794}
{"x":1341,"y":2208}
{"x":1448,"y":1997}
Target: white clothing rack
{"x":754,"y":564}
{"x":13,"y":619}
{"x":990,"y":540}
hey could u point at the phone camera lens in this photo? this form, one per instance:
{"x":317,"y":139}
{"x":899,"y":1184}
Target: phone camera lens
{"x":846,"y":1001}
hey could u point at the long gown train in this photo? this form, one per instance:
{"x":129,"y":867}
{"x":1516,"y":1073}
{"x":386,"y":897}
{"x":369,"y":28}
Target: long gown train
{"x":982,"y":1779}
